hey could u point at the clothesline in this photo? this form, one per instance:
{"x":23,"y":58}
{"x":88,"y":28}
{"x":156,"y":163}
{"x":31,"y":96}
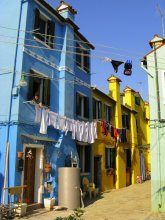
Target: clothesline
{"x":81,"y":131}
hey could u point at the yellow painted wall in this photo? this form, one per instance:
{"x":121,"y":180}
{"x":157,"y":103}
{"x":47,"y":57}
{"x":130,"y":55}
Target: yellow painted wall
{"x":135,"y":137}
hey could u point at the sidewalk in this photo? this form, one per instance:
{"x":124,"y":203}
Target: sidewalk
{"x":130,"y":203}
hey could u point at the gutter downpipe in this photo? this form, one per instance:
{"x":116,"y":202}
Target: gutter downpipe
{"x":159,"y":121}
{"x":6,"y":169}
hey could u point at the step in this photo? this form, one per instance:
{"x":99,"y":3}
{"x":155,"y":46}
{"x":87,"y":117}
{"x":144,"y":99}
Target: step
{"x":33,"y":206}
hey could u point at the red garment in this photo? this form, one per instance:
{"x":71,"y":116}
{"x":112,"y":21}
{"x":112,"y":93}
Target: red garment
{"x":104,"y":128}
{"x":115,"y":133}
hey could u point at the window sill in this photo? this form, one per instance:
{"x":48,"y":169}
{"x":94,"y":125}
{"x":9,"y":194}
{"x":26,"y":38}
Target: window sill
{"x":82,"y":118}
{"x":82,"y":69}
{"x":41,"y":42}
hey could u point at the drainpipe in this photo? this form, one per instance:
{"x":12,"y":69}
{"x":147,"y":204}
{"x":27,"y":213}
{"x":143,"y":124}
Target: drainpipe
{"x":159,"y":121}
{"x":157,"y":84}
{"x":6,"y":169}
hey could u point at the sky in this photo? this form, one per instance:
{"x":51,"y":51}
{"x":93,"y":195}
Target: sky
{"x":120,"y":30}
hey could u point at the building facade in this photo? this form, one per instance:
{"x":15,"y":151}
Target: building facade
{"x":121,"y":151}
{"x":154,"y":66}
{"x":46,"y":49}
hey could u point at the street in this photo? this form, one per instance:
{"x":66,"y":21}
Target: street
{"x":129,"y":203}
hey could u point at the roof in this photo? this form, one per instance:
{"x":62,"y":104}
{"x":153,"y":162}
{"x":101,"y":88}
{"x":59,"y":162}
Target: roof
{"x":38,"y":138}
{"x":65,"y":21}
{"x":102,"y":93}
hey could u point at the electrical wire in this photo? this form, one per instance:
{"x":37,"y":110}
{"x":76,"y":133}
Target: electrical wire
{"x":85,"y":42}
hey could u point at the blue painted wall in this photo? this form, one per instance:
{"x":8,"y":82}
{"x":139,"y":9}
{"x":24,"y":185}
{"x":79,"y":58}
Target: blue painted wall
{"x":63,"y":91}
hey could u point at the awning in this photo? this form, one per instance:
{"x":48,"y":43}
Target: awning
{"x":39,"y":138}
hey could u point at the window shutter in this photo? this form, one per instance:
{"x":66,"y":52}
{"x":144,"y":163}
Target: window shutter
{"x":37,"y":21}
{"x":87,"y":158}
{"x":78,"y":104}
{"x":113,"y":158}
{"x":78,"y":56}
{"x":106,"y":158}
{"x":46,"y":92}
{"x":30,"y":87}
{"x":127,"y":121}
{"x":94,"y":108}
{"x":86,"y":107}
{"x":99,"y":110}
{"x":51,"y":29}
{"x":86,"y":60}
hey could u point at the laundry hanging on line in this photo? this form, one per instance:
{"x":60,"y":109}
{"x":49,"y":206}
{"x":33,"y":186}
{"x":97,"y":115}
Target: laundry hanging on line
{"x":81,"y":131}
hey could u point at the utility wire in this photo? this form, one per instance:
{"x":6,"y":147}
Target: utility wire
{"x":85,"y":42}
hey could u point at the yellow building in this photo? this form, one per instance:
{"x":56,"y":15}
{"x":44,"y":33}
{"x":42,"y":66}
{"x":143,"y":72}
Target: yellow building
{"x":121,"y":151}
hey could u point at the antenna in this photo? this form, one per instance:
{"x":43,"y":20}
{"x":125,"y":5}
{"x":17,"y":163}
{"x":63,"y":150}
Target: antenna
{"x":140,"y":87}
{"x":162,"y":17}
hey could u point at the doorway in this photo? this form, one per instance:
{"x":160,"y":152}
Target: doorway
{"x":29,"y":175}
{"x":97,"y":172}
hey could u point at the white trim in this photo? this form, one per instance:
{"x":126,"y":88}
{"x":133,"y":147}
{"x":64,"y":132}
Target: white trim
{"x":41,"y":42}
{"x":40,"y":73}
{"x":38,"y":183}
{"x":163,"y":86}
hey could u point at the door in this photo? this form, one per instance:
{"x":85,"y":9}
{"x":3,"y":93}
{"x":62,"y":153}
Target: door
{"x":97,"y":172}
{"x":29,"y":174}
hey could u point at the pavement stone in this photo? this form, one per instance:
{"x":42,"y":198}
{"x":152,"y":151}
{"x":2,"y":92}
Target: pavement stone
{"x":129,"y":203}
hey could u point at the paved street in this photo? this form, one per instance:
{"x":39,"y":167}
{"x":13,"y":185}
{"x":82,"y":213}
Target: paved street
{"x":130,"y":203}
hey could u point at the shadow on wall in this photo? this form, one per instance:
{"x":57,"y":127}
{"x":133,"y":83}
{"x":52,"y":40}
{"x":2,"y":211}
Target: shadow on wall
{"x":1,"y":181}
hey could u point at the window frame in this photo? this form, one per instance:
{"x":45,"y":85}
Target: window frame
{"x":46,"y":37}
{"x":84,"y":159}
{"x":125,"y":121}
{"x":110,"y":158}
{"x":82,"y":105}
{"x":97,"y":108}
{"x":82,"y":58}
{"x":44,"y":87}
{"x":108,"y":116}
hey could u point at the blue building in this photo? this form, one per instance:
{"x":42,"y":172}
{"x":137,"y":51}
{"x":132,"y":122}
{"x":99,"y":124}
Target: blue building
{"x":43,"y":46}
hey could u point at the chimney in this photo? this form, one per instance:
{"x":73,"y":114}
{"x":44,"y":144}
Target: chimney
{"x":66,"y":10}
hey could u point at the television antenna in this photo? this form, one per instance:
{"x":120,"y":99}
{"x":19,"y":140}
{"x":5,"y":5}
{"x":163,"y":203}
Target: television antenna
{"x":162,"y":17}
{"x":140,"y":87}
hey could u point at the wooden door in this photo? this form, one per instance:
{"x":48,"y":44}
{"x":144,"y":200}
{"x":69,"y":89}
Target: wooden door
{"x":29,"y":175}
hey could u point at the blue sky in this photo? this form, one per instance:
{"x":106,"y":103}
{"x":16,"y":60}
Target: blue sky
{"x":120,"y":30}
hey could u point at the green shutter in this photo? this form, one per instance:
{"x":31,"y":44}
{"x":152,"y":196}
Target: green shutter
{"x":78,"y":104}
{"x":51,"y":29}
{"x":37,"y":22}
{"x":46,"y":92}
{"x":30,"y":86}
{"x":86,"y":107}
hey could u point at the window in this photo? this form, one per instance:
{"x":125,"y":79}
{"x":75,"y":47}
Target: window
{"x":126,"y":121}
{"x":108,"y":112}
{"x":44,"y":28}
{"x":97,"y":109}
{"x":137,"y":100}
{"x":84,"y":158}
{"x":82,"y":58}
{"x":82,"y":105}
{"x":110,"y":158}
{"x":41,"y":85}
{"x":128,"y":158}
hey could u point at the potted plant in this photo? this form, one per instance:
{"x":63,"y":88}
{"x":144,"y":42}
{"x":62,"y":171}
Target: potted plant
{"x":19,"y":154}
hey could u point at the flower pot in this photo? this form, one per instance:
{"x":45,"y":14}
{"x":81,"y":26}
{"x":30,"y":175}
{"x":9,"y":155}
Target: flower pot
{"x":19,"y":155}
{"x":49,"y":203}
{"x":47,"y":168}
